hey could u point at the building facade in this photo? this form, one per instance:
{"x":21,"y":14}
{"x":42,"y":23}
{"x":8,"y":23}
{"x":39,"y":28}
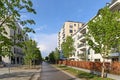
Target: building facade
{"x":80,"y":44}
{"x":115,"y":6}
{"x":68,"y":29}
{"x":17,"y":57}
{"x":83,"y":50}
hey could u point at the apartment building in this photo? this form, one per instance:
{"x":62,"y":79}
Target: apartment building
{"x":115,"y":6}
{"x":83,"y":50}
{"x":80,"y":44}
{"x":68,"y":29}
{"x":18,"y":55}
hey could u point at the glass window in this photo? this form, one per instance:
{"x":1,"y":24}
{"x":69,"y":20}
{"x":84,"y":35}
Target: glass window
{"x":74,"y":24}
{"x":71,"y":31}
{"x":71,"y":26}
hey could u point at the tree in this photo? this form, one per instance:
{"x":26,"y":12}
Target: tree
{"x":31,"y":52}
{"x":5,"y":44}
{"x":10,"y":14}
{"x":46,"y":58}
{"x":12,"y":10}
{"x":56,"y":55}
{"x":52,"y":57}
{"x":38,"y":58}
{"x":104,"y":33}
{"x":67,"y":47}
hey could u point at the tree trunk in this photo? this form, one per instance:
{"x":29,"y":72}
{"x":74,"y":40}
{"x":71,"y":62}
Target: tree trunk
{"x":103,"y":68}
{"x":56,"y":61}
{"x":30,"y":64}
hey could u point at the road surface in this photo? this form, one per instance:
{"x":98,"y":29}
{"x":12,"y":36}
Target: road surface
{"x":48,"y":72}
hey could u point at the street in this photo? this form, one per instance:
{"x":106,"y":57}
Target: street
{"x":50,"y":73}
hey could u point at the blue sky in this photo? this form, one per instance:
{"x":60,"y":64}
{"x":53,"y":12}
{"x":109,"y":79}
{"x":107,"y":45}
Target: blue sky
{"x":51,"y":15}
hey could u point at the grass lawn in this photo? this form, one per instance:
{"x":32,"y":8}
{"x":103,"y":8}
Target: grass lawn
{"x":81,"y":74}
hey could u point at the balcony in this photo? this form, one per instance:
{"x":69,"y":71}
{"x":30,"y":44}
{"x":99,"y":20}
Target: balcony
{"x":80,"y":37}
{"x":81,"y":45}
{"x":115,"y":5}
{"x":83,"y":49}
{"x":83,"y":31}
{"x":83,"y":40}
{"x":114,"y":1}
{"x":82,"y":55}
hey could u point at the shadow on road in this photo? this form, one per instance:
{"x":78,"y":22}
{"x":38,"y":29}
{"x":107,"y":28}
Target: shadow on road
{"x":15,"y":75}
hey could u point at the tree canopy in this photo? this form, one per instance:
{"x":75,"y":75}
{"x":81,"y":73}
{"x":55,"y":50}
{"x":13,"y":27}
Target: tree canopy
{"x":31,"y":51}
{"x":67,"y":47}
{"x":10,"y":14}
{"x":104,"y":32}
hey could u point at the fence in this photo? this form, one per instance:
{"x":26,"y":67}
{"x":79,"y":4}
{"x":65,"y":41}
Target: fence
{"x":113,"y":68}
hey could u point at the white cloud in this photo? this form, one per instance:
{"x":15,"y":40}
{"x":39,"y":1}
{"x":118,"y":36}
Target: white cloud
{"x":46,"y":42}
{"x":40,"y":28}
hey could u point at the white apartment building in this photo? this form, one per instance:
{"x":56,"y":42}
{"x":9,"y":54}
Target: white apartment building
{"x":68,"y":29}
{"x":18,"y":55}
{"x":80,"y":44}
{"x":83,"y":51}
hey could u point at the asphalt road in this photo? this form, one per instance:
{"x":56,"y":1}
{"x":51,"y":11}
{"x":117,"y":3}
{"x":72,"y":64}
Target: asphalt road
{"x":50,"y":73}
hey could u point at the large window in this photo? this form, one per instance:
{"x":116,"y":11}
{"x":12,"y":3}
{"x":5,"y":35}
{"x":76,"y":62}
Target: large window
{"x":71,"y":31}
{"x":74,"y":24}
{"x":71,"y":26}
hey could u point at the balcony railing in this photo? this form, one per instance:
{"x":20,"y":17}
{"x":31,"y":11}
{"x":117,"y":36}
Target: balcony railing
{"x":81,"y":45}
{"x":113,"y":1}
{"x":80,"y":37}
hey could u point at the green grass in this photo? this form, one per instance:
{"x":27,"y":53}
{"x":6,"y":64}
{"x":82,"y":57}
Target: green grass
{"x":81,"y":74}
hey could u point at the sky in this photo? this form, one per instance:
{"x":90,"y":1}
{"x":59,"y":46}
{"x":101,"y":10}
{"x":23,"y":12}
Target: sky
{"x":51,"y":15}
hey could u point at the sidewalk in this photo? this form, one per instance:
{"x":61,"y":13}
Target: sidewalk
{"x":19,"y":74}
{"x":112,"y":76}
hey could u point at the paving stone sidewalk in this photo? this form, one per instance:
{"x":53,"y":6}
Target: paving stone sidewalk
{"x":19,"y":74}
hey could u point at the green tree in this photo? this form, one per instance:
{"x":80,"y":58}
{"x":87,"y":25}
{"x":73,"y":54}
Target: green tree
{"x":5,"y":43}
{"x":31,"y":52}
{"x":104,"y":32}
{"x":56,"y":55}
{"x":38,"y":57}
{"x":52,"y":57}
{"x":67,"y":47}
{"x":10,"y":13}
{"x":46,"y":58}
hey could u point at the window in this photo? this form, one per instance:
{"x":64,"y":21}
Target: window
{"x":71,"y":26}
{"x":97,"y":60}
{"x":71,"y":31}
{"x":74,"y":30}
{"x":74,"y":24}
{"x":115,"y":59}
